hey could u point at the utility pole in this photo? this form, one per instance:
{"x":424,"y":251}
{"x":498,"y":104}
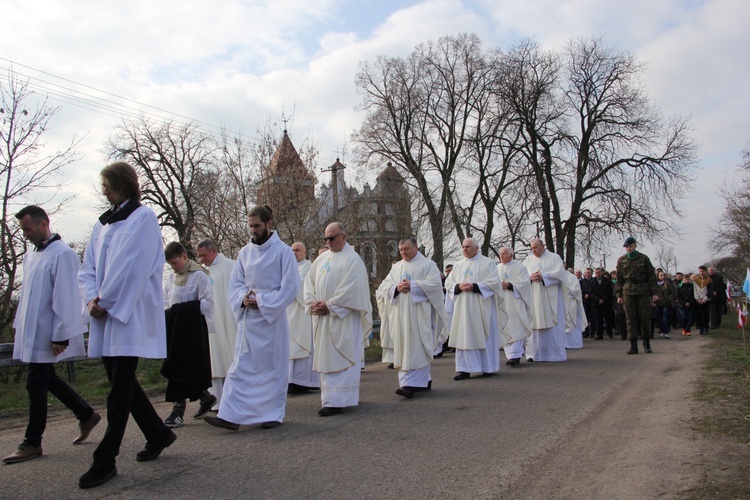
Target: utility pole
{"x":335,"y":184}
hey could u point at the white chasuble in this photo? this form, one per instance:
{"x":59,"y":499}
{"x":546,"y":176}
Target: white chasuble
{"x":416,"y":321}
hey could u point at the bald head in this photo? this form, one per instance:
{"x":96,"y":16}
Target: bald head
{"x":300,"y":251}
{"x":335,"y":236}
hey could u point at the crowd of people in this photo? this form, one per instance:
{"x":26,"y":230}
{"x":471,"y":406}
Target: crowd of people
{"x":239,"y":337}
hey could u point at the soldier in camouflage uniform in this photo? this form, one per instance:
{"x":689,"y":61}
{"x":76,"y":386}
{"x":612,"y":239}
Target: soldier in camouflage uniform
{"x":636,"y":288}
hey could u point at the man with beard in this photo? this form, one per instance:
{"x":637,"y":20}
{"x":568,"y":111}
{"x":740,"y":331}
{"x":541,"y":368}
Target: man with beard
{"x":264,"y":282}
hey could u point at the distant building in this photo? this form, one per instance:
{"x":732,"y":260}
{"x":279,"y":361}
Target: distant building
{"x":376,"y":218}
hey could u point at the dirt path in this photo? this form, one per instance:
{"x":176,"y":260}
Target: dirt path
{"x":641,"y":442}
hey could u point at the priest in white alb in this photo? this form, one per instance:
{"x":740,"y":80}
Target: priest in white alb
{"x":515,"y":322}
{"x":264,"y":282}
{"x":222,"y":339}
{"x":337,"y":295}
{"x":414,"y":311}
{"x":575,"y":314}
{"x":548,"y":295}
{"x":302,"y":377}
{"x":473,"y":289}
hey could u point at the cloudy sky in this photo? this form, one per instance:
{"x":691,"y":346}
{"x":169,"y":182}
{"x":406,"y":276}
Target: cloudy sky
{"x":236,"y":63}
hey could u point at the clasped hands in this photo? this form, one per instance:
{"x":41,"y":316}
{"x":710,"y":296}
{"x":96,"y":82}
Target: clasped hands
{"x":95,"y":310}
{"x":319,"y":308}
{"x":250,"y":301}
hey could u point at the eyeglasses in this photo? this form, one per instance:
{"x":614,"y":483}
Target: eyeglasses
{"x":331,"y":238}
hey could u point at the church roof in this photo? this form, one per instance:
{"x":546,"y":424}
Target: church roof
{"x":286,"y":162}
{"x":390,"y":174}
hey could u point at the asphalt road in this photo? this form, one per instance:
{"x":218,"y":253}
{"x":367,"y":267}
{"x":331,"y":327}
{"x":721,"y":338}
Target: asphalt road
{"x":469,"y":439}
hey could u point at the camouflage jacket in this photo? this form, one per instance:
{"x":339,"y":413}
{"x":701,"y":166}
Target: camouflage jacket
{"x":635,"y":276}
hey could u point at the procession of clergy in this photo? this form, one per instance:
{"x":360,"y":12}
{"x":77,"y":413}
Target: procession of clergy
{"x":533,"y":307}
{"x":239,"y":336}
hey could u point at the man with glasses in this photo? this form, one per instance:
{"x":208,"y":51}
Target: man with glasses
{"x":337,"y":296}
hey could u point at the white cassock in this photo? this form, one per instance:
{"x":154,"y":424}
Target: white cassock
{"x":547,"y":340}
{"x":301,"y":337}
{"x":474,"y":326}
{"x":49,"y":308}
{"x":123,"y":265}
{"x":515,"y":322}
{"x":256,"y":383}
{"x":575,"y":315}
{"x":222,"y":339}
{"x":416,"y":321}
{"x":340,"y":279}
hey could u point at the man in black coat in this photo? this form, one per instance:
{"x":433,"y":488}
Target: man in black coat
{"x":717,"y":297}
{"x":601,"y":293}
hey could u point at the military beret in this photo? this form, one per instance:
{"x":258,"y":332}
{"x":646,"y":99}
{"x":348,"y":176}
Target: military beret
{"x":629,"y":241}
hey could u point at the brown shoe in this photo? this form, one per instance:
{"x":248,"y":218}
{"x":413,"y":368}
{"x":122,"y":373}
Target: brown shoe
{"x":86,"y":428}
{"x":24,"y":452}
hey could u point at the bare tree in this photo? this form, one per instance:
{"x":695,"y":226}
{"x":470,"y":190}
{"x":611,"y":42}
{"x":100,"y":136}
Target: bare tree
{"x":665,"y":258}
{"x":730,"y":233}
{"x":626,"y":163}
{"x":175,"y":162}
{"x":30,"y":174}
{"x":418,"y":111}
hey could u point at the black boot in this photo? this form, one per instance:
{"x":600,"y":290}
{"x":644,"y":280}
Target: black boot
{"x":647,"y":345}
{"x":633,"y":347}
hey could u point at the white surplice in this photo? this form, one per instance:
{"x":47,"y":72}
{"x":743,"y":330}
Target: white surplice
{"x":474,"y":326}
{"x":415,"y":321}
{"x":547,"y":340}
{"x":256,"y":384}
{"x":340,"y":279}
{"x":49,"y":307}
{"x":300,"y":336}
{"x":123,"y":265}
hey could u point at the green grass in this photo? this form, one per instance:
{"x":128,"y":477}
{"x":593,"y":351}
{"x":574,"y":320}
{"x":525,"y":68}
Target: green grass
{"x":724,"y":388}
{"x":91,"y":383}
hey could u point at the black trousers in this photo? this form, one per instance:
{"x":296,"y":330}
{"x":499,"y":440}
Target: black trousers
{"x":126,"y":397}
{"x":41,"y":379}
{"x":716,"y":310}
{"x":701,"y":316}
{"x":605,"y":318}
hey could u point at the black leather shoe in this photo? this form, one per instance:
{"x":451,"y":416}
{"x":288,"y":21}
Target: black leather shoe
{"x":297,"y":389}
{"x":391,"y":366}
{"x":153,"y":450}
{"x":462,"y":376}
{"x":270,"y":425}
{"x":328,"y":411}
{"x":529,"y":360}
{"x":488,"y":374}
{"x":97,"y":475}
{"x":220,"y":422}
{"x":205,"y":407}
{"x":647,"y":347}
{"x":406,"y":392}
{"x":513,"y":361}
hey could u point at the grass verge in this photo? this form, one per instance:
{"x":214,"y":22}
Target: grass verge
{"x":91,"y":383}
{"x":724,"y":388}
